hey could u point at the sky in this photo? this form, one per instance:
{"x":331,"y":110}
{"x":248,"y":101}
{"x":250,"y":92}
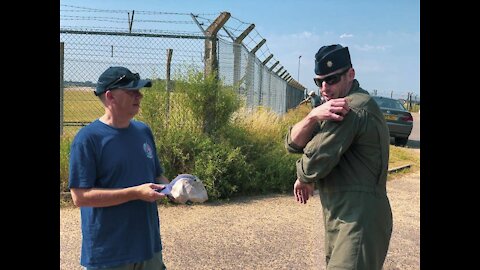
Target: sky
{"x":383,"y":36}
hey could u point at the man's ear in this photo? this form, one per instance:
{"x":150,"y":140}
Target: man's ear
{"x":351,"y":74}
{"x":108,"y":95}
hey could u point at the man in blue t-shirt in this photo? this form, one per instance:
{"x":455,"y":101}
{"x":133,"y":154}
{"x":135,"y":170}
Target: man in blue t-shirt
{"x":113,"y":178}
{"x":314,"y":99}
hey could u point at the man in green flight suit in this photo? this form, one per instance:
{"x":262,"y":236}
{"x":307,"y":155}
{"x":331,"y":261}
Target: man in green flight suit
{"x":345,"y":145}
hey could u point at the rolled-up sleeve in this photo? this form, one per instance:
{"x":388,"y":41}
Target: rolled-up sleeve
{"x":323,"y":152}
{"x":290,"y":145}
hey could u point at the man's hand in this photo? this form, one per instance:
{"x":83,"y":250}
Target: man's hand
{"x":334,"y":109}
{"x":302,"y":191}
{"x":148,"y":192}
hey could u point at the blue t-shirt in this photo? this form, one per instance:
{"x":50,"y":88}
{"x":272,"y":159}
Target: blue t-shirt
{"x":316,"y":101}
{"x":102,"y":156}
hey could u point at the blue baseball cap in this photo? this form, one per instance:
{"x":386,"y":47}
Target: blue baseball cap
{"x":119,"y":77}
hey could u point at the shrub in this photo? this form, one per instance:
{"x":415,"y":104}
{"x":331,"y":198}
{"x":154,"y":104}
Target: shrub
{"x":260,"y":134}
{"x":211,"y":103}
{"x":222,"y":168}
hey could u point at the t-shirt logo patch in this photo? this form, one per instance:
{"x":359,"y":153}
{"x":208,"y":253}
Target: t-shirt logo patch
{"x":148,"y":150}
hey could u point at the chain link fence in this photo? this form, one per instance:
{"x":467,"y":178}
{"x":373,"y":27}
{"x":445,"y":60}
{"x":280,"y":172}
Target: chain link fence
{"x":84,"y":55}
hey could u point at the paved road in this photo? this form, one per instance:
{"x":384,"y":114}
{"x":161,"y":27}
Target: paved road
{"x":414,"y":139}
{"x":415,"y":135}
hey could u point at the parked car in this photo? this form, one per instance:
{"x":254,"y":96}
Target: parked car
{"x":399,"y":119}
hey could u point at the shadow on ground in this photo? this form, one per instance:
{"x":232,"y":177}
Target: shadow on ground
{"x":413,"y":144}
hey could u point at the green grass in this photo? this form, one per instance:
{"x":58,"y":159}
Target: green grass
{"x":401,"y":156}
{"x":415,"y":108}
{"x":81,"y":106}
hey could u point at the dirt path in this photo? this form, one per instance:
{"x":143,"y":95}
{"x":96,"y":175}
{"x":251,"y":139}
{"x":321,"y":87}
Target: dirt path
{"x":268,"y":232}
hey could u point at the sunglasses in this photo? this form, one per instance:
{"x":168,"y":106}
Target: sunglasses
{"x":330,"y":80}
{"x":126,"y":78}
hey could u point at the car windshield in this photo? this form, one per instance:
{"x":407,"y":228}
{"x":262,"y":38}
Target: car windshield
{"x":389,"y":103}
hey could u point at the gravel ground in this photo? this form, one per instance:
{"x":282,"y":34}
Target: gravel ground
{"x":264,"y":232}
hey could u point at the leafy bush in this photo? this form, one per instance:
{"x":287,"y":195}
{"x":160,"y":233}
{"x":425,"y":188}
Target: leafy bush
{"x":260,"y":134}
{"x":186,"y":126}
{"x":211,"y":103}
{"x":222,"y":168}
{"x":154,"y":107}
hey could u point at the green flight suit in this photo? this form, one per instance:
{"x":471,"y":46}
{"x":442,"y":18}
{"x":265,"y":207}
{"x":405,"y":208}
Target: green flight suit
{"x":349,"y":160}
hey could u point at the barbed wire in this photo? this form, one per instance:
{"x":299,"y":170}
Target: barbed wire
{"x":180,"y":25}
{"x":137,"y":30}
{"x":234,"y":25}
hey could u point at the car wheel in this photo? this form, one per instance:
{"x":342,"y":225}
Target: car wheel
{"x":401,"y":141}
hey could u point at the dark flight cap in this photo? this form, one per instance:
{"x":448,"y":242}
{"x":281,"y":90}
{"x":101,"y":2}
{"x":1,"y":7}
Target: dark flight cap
{"x":331,"y":58}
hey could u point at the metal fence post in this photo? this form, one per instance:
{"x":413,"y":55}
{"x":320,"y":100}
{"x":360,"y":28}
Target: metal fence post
{"x":237,"y":54}
{"x":211,"y":67}
{"x":167,"y":83}
{"x":211,"y":60}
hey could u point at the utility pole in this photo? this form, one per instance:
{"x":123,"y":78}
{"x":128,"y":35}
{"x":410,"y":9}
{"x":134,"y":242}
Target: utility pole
{"x":298,"y":75}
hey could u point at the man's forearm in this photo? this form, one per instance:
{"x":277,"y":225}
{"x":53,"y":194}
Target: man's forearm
{"x":302,"y":131}
{"x":103,"y":197}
